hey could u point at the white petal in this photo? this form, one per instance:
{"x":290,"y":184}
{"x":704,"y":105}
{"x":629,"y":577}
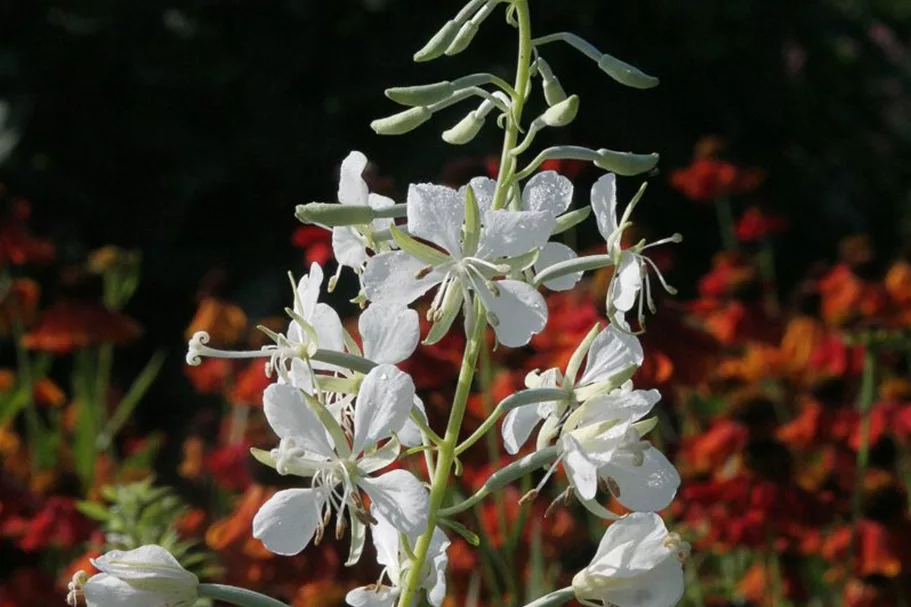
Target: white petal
{"x":348,"y":247}
{"x":308,"y":292}
{"x":410,"y":435}
{"x":626,"y":283}
{"x":553,"y":253}
{"x":380,"y":458}
{"x":646,"y":488}
{"x":547,"y":191}
{"x":329,"y":332}
{"x":401,"y":499}
{"x":105,"y":590}
{"x":390,"y":332}
{"x":435,"y":584}
{"x":375,"y":201}
{"x":517,"y":427}
{"x":604,"y":204}
{"x":383,"y":404}
{"x":625,"y":406}
{"x":300,"y":377}
{"x":390,"y":277}
{"x":631,"y":546}
{"x":358,"y":540}
{"x":518,"y":310}
{"x":386,"y":541}
{"x":290,"y":417}
{"x":436,"y":214}
{"x":484,"y":190}
{"x":369,"y":596}
{"x":511,"y":233}
{"x":611,"y":352}
{"x":582,"y":473}
{"x":287,"y":521}
{"x":661,"y":587}
{"x":141,"y":563}
{"x":352,"y":189}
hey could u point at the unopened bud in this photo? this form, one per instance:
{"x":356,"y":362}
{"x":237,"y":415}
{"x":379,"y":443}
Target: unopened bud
{"x":553,"y":90}
{"x":562,"y":113}
{"x":437,"y":45}
{"x":463,"y":38}
{"x":423,"y":94}
{"x":465,"y":130}
{"x":625,"y":163}
{"x":403,"y":122}
{"x":624,"y":73}
{"x":333,"y":215}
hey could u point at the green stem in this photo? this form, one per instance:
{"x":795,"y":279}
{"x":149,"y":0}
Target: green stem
{"x":523,"y":78}
{"x":446,"y":457}
{"x":867,"y":394}
{"x":504,"y":476}
{"x":517,"y":399}
{"x":237,"y":596}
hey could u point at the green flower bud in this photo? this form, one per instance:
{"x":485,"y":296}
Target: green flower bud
{"x":553,"y":90}
{"x":463,"y":38}
{"x":437,"y":45}
{"x":562,"y":113}
{"x":466,"y":129}
{"x":625,"y":163}
{"x":624,"y":73}
{"x":401,"y":123}
{"x":423,"y":94}
{"x":332,"y":215}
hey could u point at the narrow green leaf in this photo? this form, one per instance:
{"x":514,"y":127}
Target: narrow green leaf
{"x":417,"y":249}
{"x":470,"y":536}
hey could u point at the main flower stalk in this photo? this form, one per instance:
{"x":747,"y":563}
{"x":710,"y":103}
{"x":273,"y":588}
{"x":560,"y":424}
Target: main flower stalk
{"x":447,"y":449}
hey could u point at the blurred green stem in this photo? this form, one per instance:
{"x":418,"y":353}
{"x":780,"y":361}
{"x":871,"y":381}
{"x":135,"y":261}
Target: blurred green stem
{"x":867,"y":394}
{"x":237,"y":596}
{"x":726,"y":223}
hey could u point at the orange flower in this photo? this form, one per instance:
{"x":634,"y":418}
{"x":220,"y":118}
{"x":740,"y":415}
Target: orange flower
{"x":224,"y":322}
{"x":731,"y":272}
{"x":18,"y":246}
{"x":707,"y":179}
{"x":802,"y":335}
{"x":846,"y":297}
{"x":70,"y":325}
{"x":321,"y":593}
{"x":898,"y":282}
{"x":249,"y":385}
{"x":193,"y":452}
{"x":760,"y":361}
{"x":210,"y":376}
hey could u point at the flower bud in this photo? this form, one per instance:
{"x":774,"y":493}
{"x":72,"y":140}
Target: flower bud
{"x":333,"y":215}
{"x":625,"y":163}
{"x":437,"y":45}
{"x":423,"y":94}
{"x":463,"y":38}
{"x":562,"y":113}
{"x":625,"y":73}
{"x":465,"y":130}
{"x":403,"y":122}
{"x":553,"y":90}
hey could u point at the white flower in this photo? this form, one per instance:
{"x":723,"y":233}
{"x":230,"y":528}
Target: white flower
{"x":630,"y":282}
{"x":602,"y":439}
{"x":351,"y":243}
{"x":313,"y":325}
{"x":551,"y":192}
{"x":436,"y":214}
{"x":391,"y":554}
{"x":148,"y":576}
{"x":638,"y":564}
{"x":611,"y":354}
{"x":340,"y":466}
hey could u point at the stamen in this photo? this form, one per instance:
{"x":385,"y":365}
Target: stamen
{"x":671,"y":290}
{"x":197,"y":348}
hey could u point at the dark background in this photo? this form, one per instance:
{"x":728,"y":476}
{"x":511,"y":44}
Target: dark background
{"x":189,"y":130}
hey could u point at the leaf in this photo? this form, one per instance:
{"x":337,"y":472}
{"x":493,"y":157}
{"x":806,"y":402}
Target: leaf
{"x":93,"y":510}
{"x":470,"y":536}
{"x":128,"y":403}
{"x":417,"y":249}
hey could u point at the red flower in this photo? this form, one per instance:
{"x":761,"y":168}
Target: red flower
{"x":755,"y":225}
{"x":228,"y":466}
{"x":67,"y":326}
{"x":316,"y":243}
